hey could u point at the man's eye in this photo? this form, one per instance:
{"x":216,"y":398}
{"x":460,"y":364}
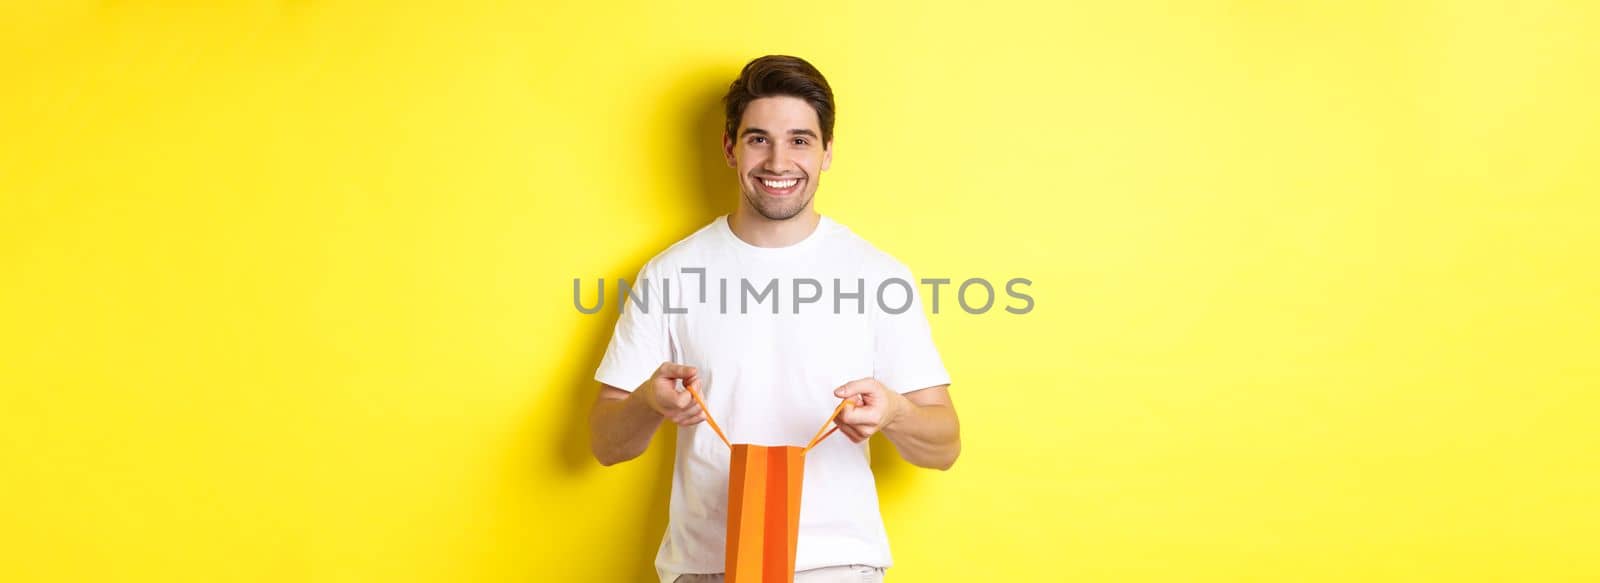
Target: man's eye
{"x":757,"y":139}
{"x":799,"y":141}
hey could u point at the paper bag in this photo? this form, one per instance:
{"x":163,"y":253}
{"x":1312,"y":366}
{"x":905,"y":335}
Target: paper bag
{"x":764,"y":504}
{"x":763,"y":512}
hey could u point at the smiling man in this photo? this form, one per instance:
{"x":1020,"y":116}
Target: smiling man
{"x":771,"y":375}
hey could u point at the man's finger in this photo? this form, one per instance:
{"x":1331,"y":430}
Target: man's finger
{"x":686,"y":409}
{"x":848,"y":406}
{"x":851,"y":433}
{"x":672,"y":370}
{"x":859,"y":416}
{"x":849,"y":389}
{"x":839,"y":419}
{"x":682,"y":399}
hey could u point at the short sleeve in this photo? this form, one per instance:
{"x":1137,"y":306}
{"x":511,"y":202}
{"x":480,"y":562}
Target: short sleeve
{"x":639,"y":344}
{"x":905,"y":358}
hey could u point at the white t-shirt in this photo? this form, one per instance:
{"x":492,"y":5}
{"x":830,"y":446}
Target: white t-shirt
{"x":768,"y":378}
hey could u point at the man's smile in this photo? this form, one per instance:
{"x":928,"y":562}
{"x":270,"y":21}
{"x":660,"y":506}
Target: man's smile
{"x":780,"y":186}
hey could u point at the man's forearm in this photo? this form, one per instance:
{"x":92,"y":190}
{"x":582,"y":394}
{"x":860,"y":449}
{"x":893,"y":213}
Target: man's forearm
{"x":926,"y":435}
{"x":620,"y":429}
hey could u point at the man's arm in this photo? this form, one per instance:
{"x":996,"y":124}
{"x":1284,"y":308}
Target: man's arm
{"x":621,"y":423}
{"x":921,"y":424}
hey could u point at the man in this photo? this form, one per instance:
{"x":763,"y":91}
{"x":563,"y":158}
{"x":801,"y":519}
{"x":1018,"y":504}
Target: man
{"x":737,"y":310}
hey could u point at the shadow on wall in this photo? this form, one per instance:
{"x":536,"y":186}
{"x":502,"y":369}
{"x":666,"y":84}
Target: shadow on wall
{"x":711,"y":193}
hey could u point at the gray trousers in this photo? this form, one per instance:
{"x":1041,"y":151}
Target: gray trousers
{"x":840,"y":574}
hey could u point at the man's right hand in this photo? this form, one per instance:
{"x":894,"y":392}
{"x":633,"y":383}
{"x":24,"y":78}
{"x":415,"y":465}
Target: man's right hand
{"x":664,"y":397}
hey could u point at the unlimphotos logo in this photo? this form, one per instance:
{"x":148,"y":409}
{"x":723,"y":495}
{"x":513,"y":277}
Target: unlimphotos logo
{"x":893,"y":295}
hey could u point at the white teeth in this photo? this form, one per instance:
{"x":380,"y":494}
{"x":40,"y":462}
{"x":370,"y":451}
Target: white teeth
{"x":780,"y":184}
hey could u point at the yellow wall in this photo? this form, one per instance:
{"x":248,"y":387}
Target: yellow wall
{"x":285,"y":286}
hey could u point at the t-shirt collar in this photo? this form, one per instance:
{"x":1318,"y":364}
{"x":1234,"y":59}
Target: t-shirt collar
{"x":824,"y":224}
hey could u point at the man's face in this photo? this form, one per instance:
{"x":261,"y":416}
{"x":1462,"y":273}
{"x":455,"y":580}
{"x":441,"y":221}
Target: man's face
{"x":779,"y":155}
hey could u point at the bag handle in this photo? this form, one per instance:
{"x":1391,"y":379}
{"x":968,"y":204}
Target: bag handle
{"x":843,"y":404}
{"x":695,"y":393}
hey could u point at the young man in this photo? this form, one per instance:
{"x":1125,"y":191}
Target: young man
{"x":739,"y":310}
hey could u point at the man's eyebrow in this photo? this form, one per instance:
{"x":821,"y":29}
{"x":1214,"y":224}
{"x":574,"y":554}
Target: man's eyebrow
{"x":796,"y":132}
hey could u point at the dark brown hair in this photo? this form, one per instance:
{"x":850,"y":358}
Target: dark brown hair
{"x":773,"y":75}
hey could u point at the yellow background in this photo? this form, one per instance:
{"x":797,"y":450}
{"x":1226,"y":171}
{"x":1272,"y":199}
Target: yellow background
{"x":285,"y":287}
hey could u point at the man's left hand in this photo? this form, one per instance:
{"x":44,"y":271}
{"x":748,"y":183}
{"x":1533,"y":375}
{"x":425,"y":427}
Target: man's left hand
{"x":875,"y":407}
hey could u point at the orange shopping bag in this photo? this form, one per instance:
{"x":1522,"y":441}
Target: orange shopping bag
{"x":764,"y":504}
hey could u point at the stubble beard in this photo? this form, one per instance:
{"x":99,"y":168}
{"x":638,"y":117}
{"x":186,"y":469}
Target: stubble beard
{"x":779,"y":209}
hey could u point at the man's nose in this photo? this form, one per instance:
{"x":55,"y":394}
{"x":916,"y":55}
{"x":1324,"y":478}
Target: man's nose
{"x":778,"y":162}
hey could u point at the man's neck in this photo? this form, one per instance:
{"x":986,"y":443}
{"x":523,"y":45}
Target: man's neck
{"x":750,"y":226}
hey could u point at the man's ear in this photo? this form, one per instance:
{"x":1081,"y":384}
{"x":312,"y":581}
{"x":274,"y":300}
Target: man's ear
{"x":827,"y":155}
{"x":727,"y":151}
